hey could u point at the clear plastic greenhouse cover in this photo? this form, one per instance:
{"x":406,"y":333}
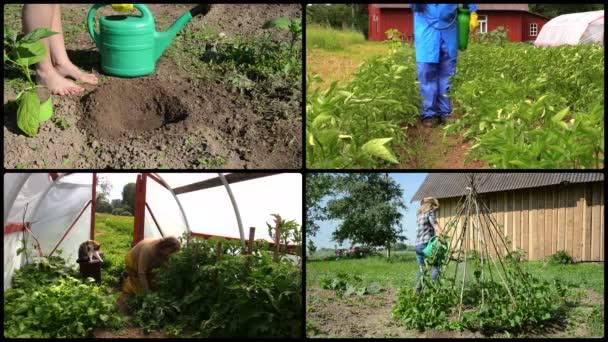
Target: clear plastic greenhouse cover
{"x":49,"y":207}
{"x":573,"y":29}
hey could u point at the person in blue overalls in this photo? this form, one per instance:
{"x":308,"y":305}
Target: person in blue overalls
{"x":436,"y":43}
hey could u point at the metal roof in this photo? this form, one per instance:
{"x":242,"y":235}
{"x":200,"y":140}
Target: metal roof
{"x":445,"y":185}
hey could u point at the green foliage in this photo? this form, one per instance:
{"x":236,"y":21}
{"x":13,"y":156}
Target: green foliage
{"x":369,"y":207}
{"x":553,"y":10}
{"x":437,"y":307}
{"x":331,"y":39}
{"x":497,"y":36}
{"x":21,"y":52}
{"x":264,"y":58}
{"x":338,"y":16}
{"x":128,"y":196}
{"x":561,"y":258}
{"x":291,"y":232}
{"x":232,"y":297}
{"x":526,"y":107}
{"x":318,"y":185}
{"x":357,"y":125}
{"x":47,"y":301}
{"x":348,"y":284}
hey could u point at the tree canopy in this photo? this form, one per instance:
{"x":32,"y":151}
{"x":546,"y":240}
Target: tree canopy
{"x":368,"y":206}
{"x":554,"y":10}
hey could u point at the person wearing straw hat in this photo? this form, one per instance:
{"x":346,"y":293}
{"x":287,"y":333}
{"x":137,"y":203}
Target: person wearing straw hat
{"x":427,"y":227}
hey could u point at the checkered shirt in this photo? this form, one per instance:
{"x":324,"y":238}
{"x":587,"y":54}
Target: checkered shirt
{"x":425,"y":230}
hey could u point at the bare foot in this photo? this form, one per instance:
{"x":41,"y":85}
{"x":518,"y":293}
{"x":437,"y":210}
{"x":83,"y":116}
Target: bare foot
{"x":56,"y":83}
{"x":72,"y":71}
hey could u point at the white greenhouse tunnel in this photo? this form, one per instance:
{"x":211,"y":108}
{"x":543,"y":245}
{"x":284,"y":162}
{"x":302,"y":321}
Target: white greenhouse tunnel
{"x":50,"y":207}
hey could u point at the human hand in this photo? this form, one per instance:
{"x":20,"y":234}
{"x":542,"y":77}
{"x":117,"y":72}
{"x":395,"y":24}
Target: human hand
{"x":473,"y":23}
{"x":122,"y":7}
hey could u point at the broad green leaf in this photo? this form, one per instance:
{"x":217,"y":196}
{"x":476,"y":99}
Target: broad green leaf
{"x":375,"y":147}
{"x":277,"y":23}
{"x":30,"y":53}
{"x":37,"y":34}
{"x":28,"y":113}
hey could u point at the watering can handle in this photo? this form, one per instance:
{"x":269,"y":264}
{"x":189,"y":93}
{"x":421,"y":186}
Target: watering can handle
{"x":91,"y":18}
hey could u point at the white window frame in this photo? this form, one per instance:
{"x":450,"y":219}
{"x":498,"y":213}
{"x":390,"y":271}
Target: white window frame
{"x":483,"y":24}
{"x":535,"y":27}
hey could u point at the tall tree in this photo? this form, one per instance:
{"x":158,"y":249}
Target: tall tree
{"x":128,"y":196}
{"x":318,"y":186}
{"x":369,"y":206}
{"x":104,"y":186}
{"x":553,"y":10}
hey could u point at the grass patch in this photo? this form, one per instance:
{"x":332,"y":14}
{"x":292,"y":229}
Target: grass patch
{"x":331,"y":39}
{"x":116,"y":235}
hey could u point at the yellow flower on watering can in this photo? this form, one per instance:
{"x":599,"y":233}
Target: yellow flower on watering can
{"x":122,"y":7}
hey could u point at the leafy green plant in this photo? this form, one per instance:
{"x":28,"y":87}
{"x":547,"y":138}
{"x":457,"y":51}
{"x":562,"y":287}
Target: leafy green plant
{"x":358,"y":124}
{"x":239,"y":295}
{"x":348,"y":284}
{"x":437,"y":307}
{"x":47,"y":301}
{"x":560,"y":258}
{"x":24,"y":51}
{"x":525,"y":107}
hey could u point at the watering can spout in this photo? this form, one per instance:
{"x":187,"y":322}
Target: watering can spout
{"x":163,"y":39}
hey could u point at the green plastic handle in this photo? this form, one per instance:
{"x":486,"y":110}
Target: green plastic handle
{"x":91,"y":19}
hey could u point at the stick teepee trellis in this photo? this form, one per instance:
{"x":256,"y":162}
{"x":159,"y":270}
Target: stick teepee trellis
{"x":479,"y":231}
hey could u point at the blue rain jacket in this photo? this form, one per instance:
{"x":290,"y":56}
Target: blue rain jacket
{"x":434,"y":23}
{"x":436,"y":44}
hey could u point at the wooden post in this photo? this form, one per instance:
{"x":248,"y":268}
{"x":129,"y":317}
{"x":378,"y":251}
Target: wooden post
{"x":93,"y":206}
{"x":277,"y":241}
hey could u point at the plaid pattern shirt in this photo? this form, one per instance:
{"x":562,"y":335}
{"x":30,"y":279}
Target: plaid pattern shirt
{"x":425,"y":230}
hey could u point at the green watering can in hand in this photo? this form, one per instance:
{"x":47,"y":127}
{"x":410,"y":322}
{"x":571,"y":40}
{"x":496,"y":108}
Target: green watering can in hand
{"x":464,"y":16}
{"x":129,"y":45}
{"x":428,"y":250}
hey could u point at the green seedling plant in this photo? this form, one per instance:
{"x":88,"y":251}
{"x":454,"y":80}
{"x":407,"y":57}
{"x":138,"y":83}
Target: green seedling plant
{"x":346,"y":285}
{"x":24,"y":51}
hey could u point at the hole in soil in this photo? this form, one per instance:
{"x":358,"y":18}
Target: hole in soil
{"x":129,"y":106}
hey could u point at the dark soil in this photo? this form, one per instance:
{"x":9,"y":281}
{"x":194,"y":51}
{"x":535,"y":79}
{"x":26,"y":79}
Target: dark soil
{"x":171,"y":119}
{"x":429,"y":149}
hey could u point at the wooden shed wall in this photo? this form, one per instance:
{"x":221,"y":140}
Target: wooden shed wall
{"x":542,"y":221}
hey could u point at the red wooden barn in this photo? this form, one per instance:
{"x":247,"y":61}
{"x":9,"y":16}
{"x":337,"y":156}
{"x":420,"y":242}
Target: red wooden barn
{"x":522,"y":25}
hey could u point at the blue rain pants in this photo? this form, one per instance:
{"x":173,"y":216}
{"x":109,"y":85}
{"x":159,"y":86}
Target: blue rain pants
{"x":436,"y":43}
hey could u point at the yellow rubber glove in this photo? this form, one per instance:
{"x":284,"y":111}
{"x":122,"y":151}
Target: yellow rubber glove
{"x":473,"y":23}
{"x":122,"y":7}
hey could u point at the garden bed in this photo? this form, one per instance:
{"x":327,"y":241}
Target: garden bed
{"x":191,"y":113}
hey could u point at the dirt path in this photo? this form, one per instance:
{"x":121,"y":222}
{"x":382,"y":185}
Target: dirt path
{"x":429,"y":149}
{"x":180,"y":117}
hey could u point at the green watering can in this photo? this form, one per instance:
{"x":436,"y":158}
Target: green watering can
{"x":428,"y":250}
{"x":464,"y":16}
{"x":129,"y":45}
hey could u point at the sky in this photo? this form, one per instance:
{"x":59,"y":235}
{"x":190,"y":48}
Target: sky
{"x":409,"y":183}
{"x":210,"y":211}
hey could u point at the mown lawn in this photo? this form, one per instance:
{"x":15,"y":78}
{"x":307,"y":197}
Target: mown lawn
{"x":401,"y":270}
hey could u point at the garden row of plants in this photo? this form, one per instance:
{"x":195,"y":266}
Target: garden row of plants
{"x":520,"y":106}
{"x":359,"y":124}
{"x":202,"y":292}
{"x":527,"y":107}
